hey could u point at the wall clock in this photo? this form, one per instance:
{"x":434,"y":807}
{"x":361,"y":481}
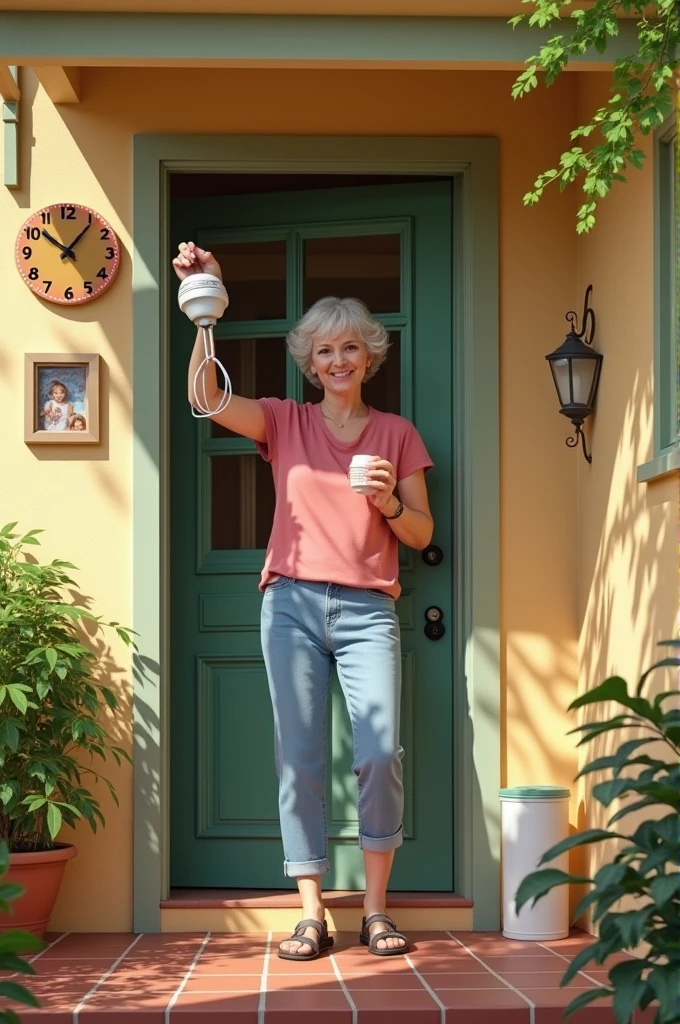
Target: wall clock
{"x":67,"y":253}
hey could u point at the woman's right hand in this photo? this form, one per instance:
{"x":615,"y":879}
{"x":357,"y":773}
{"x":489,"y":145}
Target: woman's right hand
{"x":192,"y":260}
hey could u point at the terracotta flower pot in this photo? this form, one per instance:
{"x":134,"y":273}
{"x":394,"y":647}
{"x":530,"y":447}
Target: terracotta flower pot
{"x":40,"y":874}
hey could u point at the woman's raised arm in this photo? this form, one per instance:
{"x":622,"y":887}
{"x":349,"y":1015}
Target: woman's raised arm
{"x":243,"y":415}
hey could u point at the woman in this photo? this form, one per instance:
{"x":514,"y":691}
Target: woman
{"x":330,"y":581}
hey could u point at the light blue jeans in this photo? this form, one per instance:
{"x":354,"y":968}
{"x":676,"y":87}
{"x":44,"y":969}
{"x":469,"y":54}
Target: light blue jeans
{"x":305,"y":628}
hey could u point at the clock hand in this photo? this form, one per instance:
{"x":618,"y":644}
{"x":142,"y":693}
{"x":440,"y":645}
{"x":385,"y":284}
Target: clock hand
{"x":66,"y":251}
{"x":69,"y":251}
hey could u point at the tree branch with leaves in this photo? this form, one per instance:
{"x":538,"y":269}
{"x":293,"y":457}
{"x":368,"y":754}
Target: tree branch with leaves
{"x":641,"y":96}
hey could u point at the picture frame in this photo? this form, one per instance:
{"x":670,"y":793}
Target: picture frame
{"x":61,"y":398}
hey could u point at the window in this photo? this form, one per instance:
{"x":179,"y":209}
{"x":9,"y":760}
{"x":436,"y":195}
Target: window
{"x":666,"y":305}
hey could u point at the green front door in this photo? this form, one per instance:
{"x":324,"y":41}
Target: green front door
{"x":389,"y":245}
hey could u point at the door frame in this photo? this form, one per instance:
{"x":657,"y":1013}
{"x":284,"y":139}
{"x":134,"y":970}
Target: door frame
{"x":472,"y":164}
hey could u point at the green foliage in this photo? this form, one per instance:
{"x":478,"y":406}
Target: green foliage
{"x":645,"y":865}
{"x":49,"y":699}
{"x":13,"y":946}
{"x":641,"y":95}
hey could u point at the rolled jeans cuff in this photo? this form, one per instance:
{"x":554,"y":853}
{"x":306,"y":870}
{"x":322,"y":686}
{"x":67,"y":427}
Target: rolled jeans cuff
{"x":301,"y":869}
{"x":382,"y":845}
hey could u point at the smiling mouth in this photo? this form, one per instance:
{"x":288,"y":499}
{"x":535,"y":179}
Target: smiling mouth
{"x":344,"y":373}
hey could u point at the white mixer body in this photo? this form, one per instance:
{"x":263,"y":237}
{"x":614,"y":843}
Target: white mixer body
{"x":203,"y":298}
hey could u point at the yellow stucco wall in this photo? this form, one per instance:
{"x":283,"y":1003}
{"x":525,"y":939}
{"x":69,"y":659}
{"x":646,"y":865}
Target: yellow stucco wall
{"x":628,"y":596}
{"x":83,"y":498}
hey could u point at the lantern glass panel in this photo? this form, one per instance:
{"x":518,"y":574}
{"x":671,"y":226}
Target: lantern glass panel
{"x":574,"y":388}
{"x":583,"y":374}
{"x":560,"y":369}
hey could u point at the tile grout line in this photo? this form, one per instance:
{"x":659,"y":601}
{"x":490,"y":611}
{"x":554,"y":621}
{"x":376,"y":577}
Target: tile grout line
{"x":79,"y":959}
{"x":180,"y":988}
{"x":421,"y":979}
{"x":249,"y":991}
{"x":530,"y":1004}
{"x":262,"y":1004}
{"x":37,"y":956}
{"x":49,"y":947}
{"x":343,"y":986}
{"x":98,"y":984}
{"x":583,"y":973}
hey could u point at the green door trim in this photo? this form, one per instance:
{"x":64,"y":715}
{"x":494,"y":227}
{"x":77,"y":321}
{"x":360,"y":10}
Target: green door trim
{"x":473,"y":165}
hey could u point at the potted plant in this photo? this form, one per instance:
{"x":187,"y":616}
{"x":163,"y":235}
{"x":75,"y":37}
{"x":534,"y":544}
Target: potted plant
{"x":645,"y":867}
{"x":14,"y":945}
{"x":50,"y":732}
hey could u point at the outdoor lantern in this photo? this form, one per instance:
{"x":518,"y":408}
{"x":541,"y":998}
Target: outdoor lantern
{"x":576,"y":369}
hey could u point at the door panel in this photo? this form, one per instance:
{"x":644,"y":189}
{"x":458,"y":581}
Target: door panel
{"x":391,"y":247}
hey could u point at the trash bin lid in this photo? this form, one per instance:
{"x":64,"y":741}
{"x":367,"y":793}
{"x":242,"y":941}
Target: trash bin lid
{"x":535,"y":793}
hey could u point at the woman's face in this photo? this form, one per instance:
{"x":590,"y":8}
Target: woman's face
{"x":340,"y":363}
{"x":59,"y":395}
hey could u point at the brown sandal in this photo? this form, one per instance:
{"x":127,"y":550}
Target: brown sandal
{"x":325,"y":941}
{"x":391,"y":933}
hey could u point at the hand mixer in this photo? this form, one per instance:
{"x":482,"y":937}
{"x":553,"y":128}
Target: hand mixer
{"x":204,"y":299}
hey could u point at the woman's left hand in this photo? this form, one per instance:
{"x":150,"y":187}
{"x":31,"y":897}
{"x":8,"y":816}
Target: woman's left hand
{"x":381,"y":475}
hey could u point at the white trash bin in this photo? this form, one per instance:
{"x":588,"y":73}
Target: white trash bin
{"x":534,"y":818}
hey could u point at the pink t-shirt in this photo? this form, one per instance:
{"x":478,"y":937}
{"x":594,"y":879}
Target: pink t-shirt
{"x":323,"y":530}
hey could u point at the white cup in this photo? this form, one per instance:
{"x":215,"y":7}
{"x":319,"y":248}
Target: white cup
{"x":357,"y":474}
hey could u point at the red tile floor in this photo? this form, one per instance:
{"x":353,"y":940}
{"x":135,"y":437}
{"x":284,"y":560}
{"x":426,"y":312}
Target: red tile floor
{"x":448,"y":978}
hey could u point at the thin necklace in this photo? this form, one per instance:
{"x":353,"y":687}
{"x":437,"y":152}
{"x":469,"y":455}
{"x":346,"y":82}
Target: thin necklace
{"x":337,"y":423}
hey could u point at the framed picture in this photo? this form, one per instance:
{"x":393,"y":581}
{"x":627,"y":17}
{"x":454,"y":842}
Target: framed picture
{"x":61,"y":403}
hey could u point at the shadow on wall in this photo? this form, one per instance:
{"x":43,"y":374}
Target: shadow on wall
{"x":146,"y":673}
{"x":626,"y":576}
{"x":631,"y":597}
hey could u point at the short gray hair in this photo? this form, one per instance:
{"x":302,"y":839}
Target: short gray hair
{"x":330,"y":317}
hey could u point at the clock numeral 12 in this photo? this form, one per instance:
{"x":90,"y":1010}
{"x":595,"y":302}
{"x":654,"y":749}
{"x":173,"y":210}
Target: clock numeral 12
{"x":68,"y":212}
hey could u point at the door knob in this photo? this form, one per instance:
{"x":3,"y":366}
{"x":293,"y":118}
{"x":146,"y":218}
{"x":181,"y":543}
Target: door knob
{"x":434,"y":625}
{"x":432,"y":555}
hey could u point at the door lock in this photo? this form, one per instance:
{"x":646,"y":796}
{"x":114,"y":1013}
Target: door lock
{"x":434,"y":625}
{"x":432,"y":555}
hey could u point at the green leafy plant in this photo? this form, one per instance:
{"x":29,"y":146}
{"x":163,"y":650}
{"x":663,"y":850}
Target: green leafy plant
{"x":645,"y":868}
{"x":50,"y":699}
{"x":641,"y":92}
{"x":13,"y":946}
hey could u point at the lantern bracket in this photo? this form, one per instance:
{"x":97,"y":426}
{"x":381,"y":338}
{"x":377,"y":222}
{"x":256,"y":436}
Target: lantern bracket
{"x":587,"y":332}
{"x":572,"y":442}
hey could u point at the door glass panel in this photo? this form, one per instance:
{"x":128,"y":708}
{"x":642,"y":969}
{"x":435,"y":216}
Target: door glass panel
{"x":383,"y":391}
{"x":256,"y":368}
{"x":366,"y":267}
{"x":242,"y":502}
{"x":255,"y":276}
